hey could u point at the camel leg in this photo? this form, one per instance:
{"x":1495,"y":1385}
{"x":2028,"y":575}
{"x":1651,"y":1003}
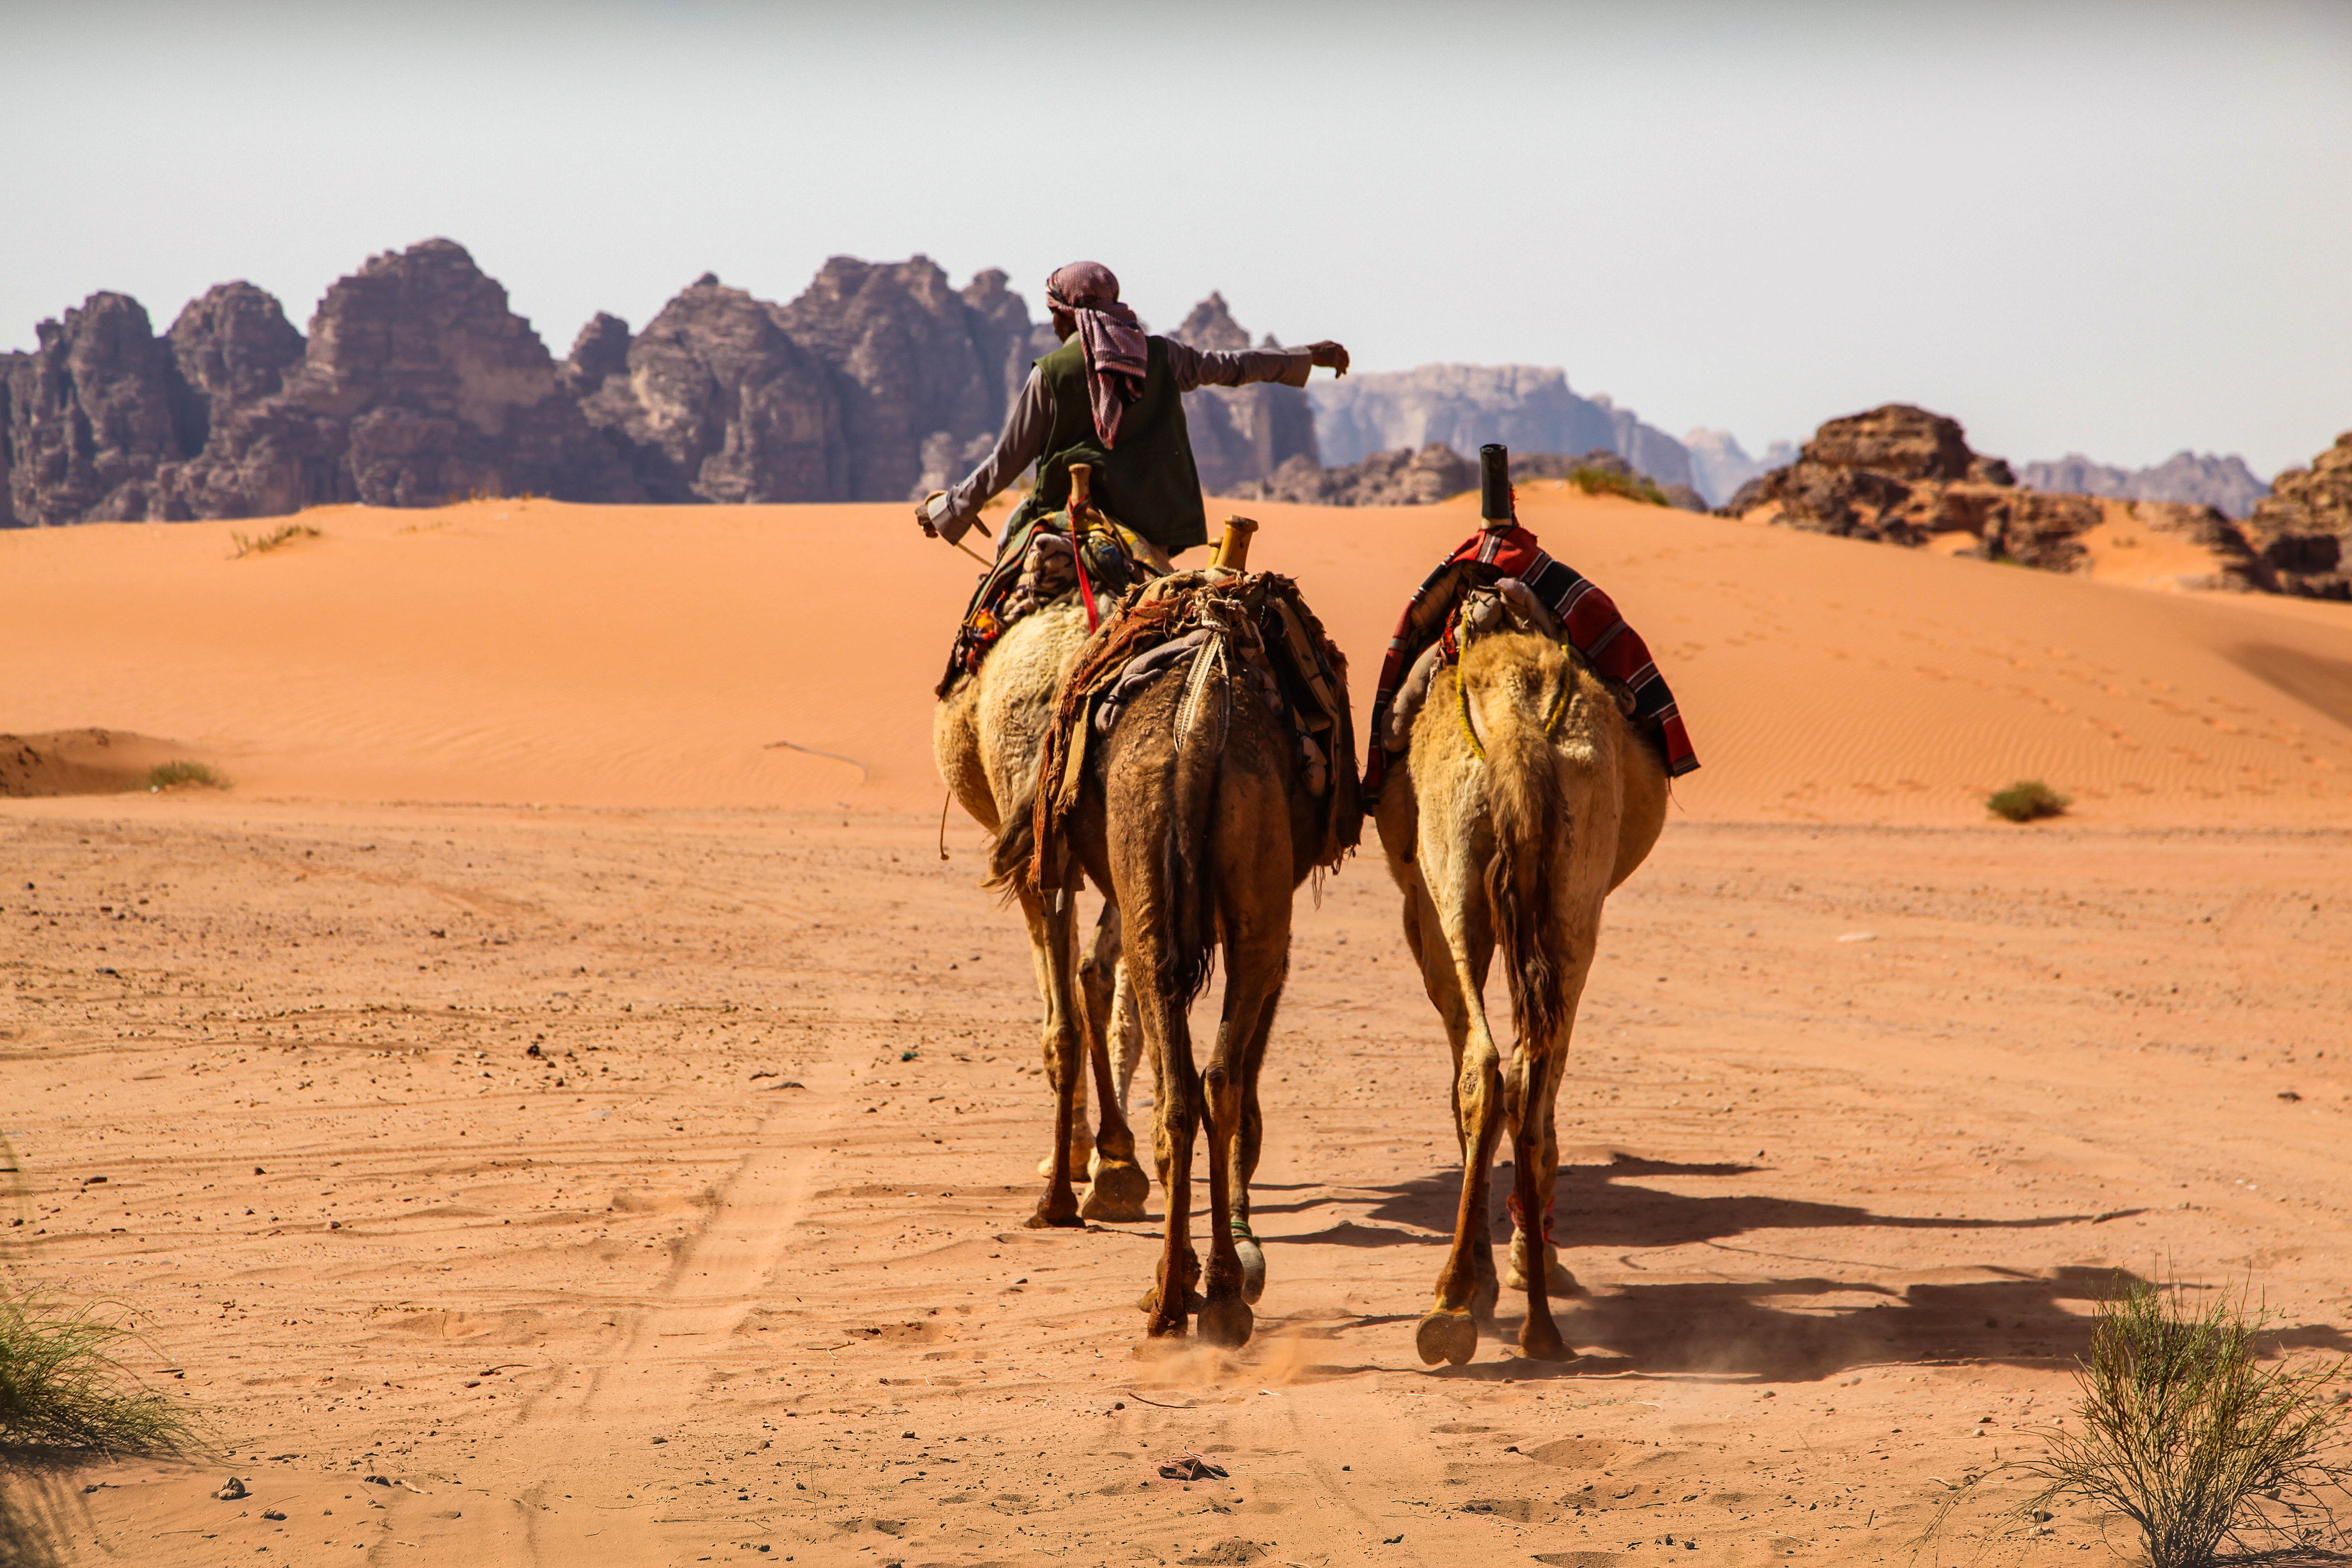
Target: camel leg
{"x":1051,"y":932}
{"x":1075,"y":1143}
{"x":1126,"y":1050}
{"x":1254,"y":959}
{"x":1247,"y":1144}
{"x":1175,"y":1120}
{"x":1119,"y":1186}
{"x":1443,"y":983}
{"x":1538,"y":1337}
{"x":1450,"y":1331}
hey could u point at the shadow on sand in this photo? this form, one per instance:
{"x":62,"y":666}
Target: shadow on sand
{"x":1780,"y":1328}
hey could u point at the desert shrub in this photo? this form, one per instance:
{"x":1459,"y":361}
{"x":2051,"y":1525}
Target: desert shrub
{"x":2027,"y":799}
{"x":1595,"y":481}
{"x":2182,"y":1431}
{"x":165,"y":775}
{"x":284,"y":533}
{"x":63,"y":1386}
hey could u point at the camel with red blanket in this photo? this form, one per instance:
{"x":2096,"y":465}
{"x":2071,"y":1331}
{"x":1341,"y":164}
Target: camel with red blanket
{"x":1534,"y":777}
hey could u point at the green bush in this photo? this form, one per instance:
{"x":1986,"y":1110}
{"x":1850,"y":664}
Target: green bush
{"x":2026,"y":800}
{"x":2182,"y":1432}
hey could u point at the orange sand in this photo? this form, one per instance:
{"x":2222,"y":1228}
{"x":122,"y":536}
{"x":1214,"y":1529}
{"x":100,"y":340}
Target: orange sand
{"x":543,"y":653}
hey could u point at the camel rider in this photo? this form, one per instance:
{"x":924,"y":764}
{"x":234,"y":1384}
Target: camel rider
{"x":1112,"y":397}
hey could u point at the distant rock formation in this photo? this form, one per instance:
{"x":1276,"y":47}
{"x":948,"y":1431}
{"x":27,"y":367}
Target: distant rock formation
{"x":92,"y":412}
{"x":714,"y":402}
{"x":2225,"y":484}
{"x":1526,"y":407}
{"x":418,"y":385}
{"x":1242,"y":433}
{"x":1399,"y":477}
{"x":2304,"y":528}
{"x":1719,"y":465}
{"x":1901,"y":475}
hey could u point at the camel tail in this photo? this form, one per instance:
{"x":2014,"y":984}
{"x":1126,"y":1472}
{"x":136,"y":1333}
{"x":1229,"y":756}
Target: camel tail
{"x":1531,"y":827}
{"x":1203,"y":719}
{"x":1016,"y":845}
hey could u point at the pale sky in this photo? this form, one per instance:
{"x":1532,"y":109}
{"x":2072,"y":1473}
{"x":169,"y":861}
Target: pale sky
{"x":2122,"y":229}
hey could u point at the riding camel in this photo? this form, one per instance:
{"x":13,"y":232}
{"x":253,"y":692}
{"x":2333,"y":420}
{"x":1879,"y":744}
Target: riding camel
{"x":1536,"y":765}
{"x":986,"y":735}
{"x":1200,"y":809}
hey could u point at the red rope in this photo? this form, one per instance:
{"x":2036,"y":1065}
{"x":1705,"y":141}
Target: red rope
{"x":1086,"y":589}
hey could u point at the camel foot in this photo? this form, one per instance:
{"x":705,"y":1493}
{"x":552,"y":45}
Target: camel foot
{"x":1539,"y":1341}
{"x":1057,"y":1211}
{"x":1253,"y":1258}
{"x":1150,"y":1301}
{"x":1484,"y":1295}
{"x":1226,"y":1322}
{"x":1447,"y":1336}
{"x":1117,"y":1193}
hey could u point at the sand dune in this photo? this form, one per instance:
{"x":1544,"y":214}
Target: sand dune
{"x":531,"y":651}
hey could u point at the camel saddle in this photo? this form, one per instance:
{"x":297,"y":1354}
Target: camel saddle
{"x":1167,"y":624}
{"x":1041,"y":562}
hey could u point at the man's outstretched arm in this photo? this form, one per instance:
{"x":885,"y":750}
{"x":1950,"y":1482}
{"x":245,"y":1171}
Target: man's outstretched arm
{"x":949,"y":513}
{"x":1239,"y":367}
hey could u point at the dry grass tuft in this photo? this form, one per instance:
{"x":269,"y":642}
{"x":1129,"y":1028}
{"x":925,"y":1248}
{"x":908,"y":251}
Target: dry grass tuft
{"x":2027,"y":800}
{"x":284,"y":533}
{"x":1595,"y":481}
{"x":179,"y":772}
{"x":2185,"y":1432}
{"x":63,"y":1385}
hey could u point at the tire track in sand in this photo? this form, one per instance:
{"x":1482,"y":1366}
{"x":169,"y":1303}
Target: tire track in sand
{"x":596,"y":1424}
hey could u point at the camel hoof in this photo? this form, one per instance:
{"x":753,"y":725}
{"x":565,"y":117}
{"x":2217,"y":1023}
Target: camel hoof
{"x":1117,"y":1193}
{"x":1447,"y":1336}
{"x":1080,"y":1156}
{"x":1539,"y":1341}
{"x":1226,"y":1323}
{"x":1057,"y":1211}
{"x":1484,"y":1296}
{"x":1253,"y":1258}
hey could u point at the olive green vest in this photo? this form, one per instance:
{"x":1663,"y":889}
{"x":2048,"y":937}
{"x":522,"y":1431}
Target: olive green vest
{"x":1148,"y":481}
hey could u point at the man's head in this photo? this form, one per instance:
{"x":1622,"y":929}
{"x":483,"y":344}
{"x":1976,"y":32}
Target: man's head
{"x":1080,"y":286}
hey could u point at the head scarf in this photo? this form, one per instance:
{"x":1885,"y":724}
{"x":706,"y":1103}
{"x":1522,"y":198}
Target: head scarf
{"x":1117,"y":354}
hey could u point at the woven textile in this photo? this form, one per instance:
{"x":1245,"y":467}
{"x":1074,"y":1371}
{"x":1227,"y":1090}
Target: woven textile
{"x":1587,"y":616}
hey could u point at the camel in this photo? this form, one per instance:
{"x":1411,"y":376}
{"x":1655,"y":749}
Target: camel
{"x":986,"y":734}
{"x":1528,"y":799}
{"x":1196,"y":812}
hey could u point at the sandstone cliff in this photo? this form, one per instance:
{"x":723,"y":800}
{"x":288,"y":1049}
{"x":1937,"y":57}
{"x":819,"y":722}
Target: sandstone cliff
{"x":1400,"y":478}
{"x":1901,"y":475}
{"x":2304,"y":528}
{"x":1526,"y":407}
{"x":92,"y":412}
{"x":2225,"y":484}
{"x":1242,"y":433}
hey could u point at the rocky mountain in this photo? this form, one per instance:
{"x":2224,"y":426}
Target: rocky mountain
{"x":1901,"y":475}
{"x":2304,"y":527}
{"x":1526,"y":407}
{"x":1719,"y":465}
{"x":1399,"y":477}
{"x":2225,"y":484}
{"x":419,"y":385}
{"x":1242,"y":433}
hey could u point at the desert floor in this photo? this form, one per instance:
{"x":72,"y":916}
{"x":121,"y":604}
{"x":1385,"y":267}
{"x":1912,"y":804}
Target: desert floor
{"x":529,"y":1086}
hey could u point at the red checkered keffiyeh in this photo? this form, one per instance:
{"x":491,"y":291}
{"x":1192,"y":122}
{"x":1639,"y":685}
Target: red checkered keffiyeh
{"x":1586,"y":615}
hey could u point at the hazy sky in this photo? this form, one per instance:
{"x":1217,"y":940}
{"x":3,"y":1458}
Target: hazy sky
{"x":2118,"y":229}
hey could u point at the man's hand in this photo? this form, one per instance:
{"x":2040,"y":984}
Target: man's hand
{"x":923,"y":514}
{"x":1328,"y":355}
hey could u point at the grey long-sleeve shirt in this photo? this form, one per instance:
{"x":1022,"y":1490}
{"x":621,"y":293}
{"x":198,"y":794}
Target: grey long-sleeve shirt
{"x":1024,"y":428}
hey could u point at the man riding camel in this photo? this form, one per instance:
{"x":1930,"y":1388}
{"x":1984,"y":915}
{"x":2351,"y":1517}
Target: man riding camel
{"x":1112,"y":397}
